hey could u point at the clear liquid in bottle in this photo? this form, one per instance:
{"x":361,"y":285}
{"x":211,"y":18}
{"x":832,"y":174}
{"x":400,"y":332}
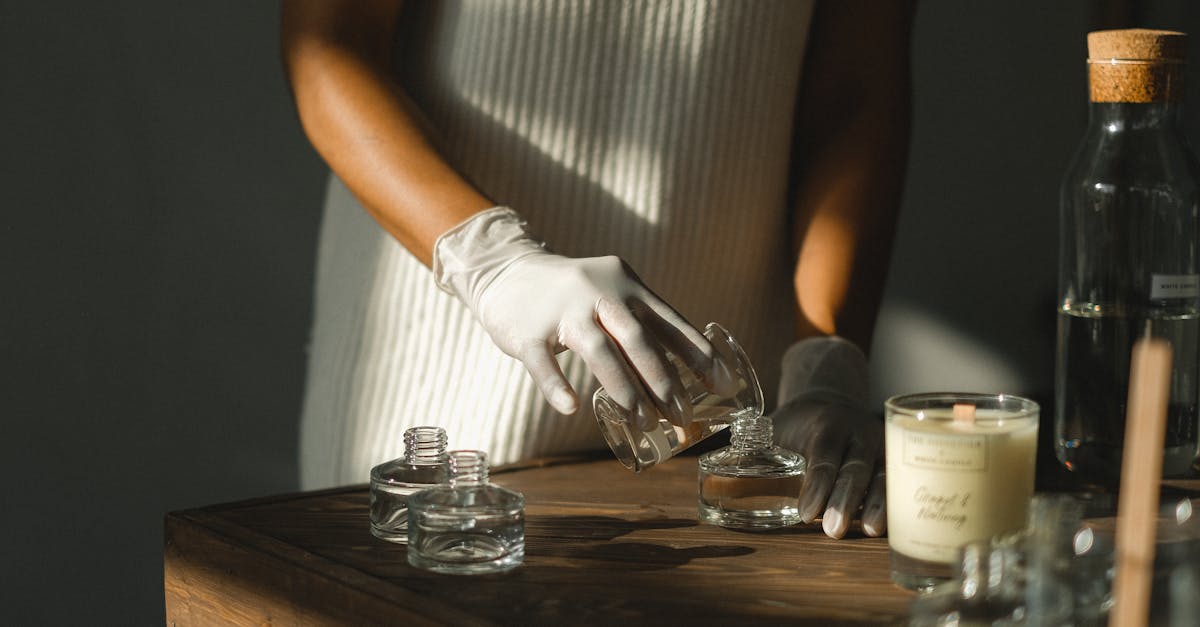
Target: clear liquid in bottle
{"x":1093,"y":382}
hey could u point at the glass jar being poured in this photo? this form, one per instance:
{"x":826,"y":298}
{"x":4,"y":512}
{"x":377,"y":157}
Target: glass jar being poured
{"x":714,"y":407}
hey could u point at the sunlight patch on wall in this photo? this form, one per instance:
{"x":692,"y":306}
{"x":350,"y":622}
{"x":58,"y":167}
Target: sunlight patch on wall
{"x":916,"y":352}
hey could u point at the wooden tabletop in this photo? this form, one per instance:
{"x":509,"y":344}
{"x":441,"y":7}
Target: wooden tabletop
{"x":602,"y":546}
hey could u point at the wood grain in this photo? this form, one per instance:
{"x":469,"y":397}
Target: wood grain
{"x":603,"y":546}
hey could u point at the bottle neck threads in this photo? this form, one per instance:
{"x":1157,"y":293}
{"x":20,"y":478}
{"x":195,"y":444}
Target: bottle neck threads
{"x":425,"y":444}
{"x":751,"y":432}
{"x":468,"y":468}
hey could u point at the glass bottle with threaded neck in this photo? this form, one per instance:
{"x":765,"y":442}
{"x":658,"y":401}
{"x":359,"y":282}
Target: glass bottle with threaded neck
{"x":467,"y":526}
{"x":752,"y":483}
{"x":1129,"y":255}
{"x":424,"y":465}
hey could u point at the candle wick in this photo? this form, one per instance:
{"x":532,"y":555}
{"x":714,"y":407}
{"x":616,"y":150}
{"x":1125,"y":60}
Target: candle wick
{"x":964,"y":413}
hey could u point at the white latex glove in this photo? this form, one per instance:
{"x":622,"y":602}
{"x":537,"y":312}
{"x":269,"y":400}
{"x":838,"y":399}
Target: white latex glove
{"x":823,"y":415}
{"x":535,"y":304}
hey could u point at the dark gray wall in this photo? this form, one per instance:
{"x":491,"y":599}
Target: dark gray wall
{"x":156,"y":257}
{"x":1000,"y":101}
{"x":1000,"y":105}
{"x":157,"y":244}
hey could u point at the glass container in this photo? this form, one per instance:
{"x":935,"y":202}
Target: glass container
{"x":713,"y":408}
{"x":960,"y":468}
{"x":752,"y":483}
{"x":1129,"y":255}
{"x":468,"y":526}
{"x":423,"y":465}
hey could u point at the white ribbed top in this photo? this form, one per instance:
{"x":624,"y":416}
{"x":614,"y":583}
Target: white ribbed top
{"x":657,"y":131}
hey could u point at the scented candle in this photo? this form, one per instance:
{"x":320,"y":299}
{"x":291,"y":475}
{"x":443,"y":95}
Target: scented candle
{"x":960,"y":468}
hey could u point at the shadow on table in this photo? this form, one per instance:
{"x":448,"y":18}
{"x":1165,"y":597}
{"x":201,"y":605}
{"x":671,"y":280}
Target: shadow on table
{"x":640,"y":556}
{"x":597,"y":527}
{"x":568,"y":536}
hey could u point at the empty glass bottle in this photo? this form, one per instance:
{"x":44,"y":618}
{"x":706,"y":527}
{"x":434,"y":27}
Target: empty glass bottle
{"x":1129,"y":249}
{"x":986,"y":589}
{"x":467,"y":526}
{"x":423,"y":465}
{"x":751,"y":484}
{"x":1024,"y":577}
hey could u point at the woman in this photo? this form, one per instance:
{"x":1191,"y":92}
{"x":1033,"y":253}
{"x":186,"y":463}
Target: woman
{"x":745,"y":158}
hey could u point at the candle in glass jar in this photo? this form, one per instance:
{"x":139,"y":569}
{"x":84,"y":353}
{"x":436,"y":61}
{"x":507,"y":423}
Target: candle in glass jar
{"x":960,"y":467}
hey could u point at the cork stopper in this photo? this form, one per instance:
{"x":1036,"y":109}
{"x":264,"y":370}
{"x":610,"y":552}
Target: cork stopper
{"x":1137,"y":44}
{"x":1136,"y":65}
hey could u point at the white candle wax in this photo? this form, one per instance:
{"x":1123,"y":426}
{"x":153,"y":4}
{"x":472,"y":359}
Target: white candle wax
{"x":950,"y":482}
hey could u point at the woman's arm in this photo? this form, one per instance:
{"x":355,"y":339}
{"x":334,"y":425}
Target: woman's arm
{"x":532,"y":303}
{"x":338,"y":57}
{"x":852,"y":144}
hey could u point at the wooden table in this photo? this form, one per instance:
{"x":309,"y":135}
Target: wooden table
{"x":602,"y":546}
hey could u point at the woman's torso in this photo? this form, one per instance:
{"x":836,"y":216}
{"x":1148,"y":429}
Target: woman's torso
{"x":657,"y":131}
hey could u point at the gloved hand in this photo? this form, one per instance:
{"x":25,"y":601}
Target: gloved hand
{"x":535,"y":304}
{"x":823,"y":415}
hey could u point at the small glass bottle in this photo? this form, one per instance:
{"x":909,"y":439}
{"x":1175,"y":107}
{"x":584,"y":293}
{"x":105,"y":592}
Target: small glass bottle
{"x":1129,"y":255}
{"x":716,"y":400}
{"x":1054,"y":582}
{"x":751,"y":484}
{"x":468,"y":526}
{"x":424,"y":465}
{"x":986,"y":589}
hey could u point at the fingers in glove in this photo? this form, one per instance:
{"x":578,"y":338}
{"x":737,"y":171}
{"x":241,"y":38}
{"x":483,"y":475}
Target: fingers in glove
{"x":824,"y":461}
{"x":690,"y":345}
{"x":845,"y":497}
{"x":645,"y":357}
{"x":607,"y":362}
{"x":543,"y":367}
{"x":874,"y":515}
{"x":858,"y":465}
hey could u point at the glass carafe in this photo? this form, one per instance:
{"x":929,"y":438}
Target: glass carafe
{"x":1129,"y":249}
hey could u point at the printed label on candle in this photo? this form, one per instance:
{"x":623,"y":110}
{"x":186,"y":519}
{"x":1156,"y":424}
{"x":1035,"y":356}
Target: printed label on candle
{"x":942,"y":507}
{"x":1167,"y":286}
{"x":949,"y":484}
{"x":950,"y":452}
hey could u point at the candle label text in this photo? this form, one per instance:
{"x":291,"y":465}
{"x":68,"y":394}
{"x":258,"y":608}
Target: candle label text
{"x":942,"y":508}
{"x":936,"y":451}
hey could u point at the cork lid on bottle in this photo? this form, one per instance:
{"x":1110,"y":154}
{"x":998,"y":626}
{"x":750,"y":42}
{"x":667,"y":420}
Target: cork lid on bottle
{"x":1137,"y":44}
{"x":1138,"y":65}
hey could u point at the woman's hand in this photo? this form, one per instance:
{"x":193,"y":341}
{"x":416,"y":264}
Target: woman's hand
{"x":535,"y":304}
{"x":843,"y":444}
{"x":823,"y":415}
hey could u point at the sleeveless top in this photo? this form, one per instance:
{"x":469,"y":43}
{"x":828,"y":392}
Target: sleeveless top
{"x":657,"y":131}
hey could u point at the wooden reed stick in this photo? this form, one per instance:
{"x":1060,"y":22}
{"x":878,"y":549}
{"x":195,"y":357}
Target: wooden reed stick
{"x":1141,"y":473}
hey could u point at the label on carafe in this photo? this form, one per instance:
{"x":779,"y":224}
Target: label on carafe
{"x":1172,"y":286}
